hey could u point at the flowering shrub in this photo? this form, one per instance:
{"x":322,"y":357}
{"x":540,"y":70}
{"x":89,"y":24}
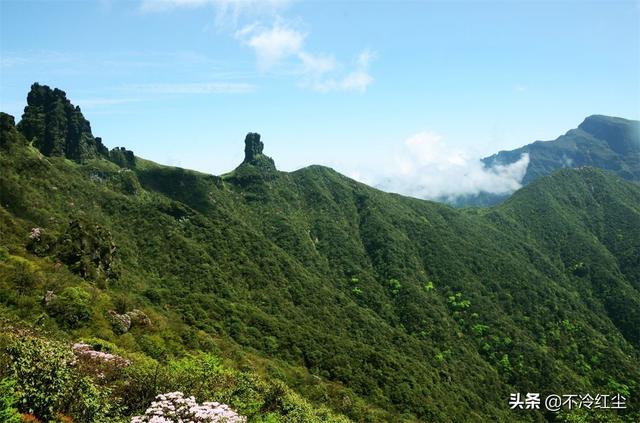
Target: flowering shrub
{"x":47,"y":382}
{"x":174,"y":407}
{"x":35,"y":233}
{"x":40,"y":242}
{"x":85,"y":351}
{"x":42,"y":370}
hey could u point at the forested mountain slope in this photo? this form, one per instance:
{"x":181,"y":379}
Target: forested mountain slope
{"x":383,"y":307}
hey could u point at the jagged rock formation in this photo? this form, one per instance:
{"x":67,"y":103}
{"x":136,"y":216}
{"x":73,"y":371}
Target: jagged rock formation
{"x":122,"y":157}
{"x":252,"y":146}
{"x":88,"y":250}
{"x":57,"y":127}
{"x":256,"y":166}
{"x":253,"y":152}
{"x":6,"y":121}
{"x":7,"y":129}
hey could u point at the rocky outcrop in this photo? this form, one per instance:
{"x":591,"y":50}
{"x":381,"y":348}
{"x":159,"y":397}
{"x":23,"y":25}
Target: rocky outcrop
{"x":122,"y":323}
{"x":253,"y":154}
{"x":252,"y":147}
{"x":57,"y":127}
{"x":7,"y":122}
{"x":8,"y":132}
{"x":88,"y":250}
{"x":122,"y":157}
{"x":256,"y":167}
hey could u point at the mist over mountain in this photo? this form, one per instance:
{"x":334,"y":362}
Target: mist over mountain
{"x":307,"y":296}
{"x":428,"y":168}
{"x":602,"y":141}
{"x":605,"y":142}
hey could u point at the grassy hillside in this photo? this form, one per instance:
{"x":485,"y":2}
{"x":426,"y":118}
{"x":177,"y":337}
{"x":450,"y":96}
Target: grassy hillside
{"x":381,"y":307}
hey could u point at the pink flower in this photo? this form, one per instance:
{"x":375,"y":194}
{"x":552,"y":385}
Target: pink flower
{"x":35,"y":233}
{"x":174,"y":407}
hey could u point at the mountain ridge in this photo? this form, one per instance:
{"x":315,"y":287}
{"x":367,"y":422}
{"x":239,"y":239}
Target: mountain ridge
{"x":618,"y":139}
{"x":380,"y":306}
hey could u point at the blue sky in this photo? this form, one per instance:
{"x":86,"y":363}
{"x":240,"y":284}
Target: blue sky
{"x":362,"y":86}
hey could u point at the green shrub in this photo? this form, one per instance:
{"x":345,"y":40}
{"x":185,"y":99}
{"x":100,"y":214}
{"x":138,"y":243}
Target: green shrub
{"x":47,"y":383}
{"x":394,"y":286}
{"x":479,"y":329}
{"x":42,"y":370}
{"x":153,"y":345}
{"x":89,"y":403}
{"x":141,"y":382}
{"x":8,"y":400}
{"x":24,"y":277}
{"x":71,"y":307}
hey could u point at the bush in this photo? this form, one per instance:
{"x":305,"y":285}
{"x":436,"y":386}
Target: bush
{"x":71,"y":307}
{"x":8,"y":400}
{"x":47,"y":383}
{"x":89,"y":403}
{"x":42,"y":370}
{"x":23,"y":275}
{"x":41,"y":242}
{"x":175,"y":407}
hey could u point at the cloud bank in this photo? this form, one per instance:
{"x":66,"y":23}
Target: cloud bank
{"x":279,"y":45}
{"x":426,"y":167}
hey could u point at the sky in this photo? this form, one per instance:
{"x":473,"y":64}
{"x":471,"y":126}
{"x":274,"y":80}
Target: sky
{"x":410,"y":91}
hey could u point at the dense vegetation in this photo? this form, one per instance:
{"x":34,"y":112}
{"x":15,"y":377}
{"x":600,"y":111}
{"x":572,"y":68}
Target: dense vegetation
{"x":280,"y":293}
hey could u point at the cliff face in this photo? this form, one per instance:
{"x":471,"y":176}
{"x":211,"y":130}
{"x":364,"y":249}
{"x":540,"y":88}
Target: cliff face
{"x":57,"y":127}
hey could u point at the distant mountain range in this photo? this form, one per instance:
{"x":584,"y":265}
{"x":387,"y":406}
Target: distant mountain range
{"x":609,"y":143}
{"x":306,"y":296}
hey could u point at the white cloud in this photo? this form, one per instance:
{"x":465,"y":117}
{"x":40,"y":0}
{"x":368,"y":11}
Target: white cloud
{"x":8,"y":59}
{"x":358,"y":79}
{"x":364,"y":58}
{"x":320,"y":72}
{"x":273,"y":44}
{"x":316,"y":64}
{"x":279,"y":46}
{"x":426,"y":167}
